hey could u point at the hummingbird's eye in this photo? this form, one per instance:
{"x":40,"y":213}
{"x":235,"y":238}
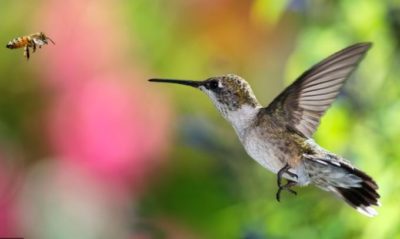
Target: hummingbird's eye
{"x":212,"y":85}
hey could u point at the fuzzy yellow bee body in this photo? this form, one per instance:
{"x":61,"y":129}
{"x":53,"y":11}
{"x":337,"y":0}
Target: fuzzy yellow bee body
{"x":32,"y":41}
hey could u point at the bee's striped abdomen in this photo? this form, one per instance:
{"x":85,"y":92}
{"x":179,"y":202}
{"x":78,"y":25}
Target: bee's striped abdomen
{"x":31,"y":41}
{"x":19,"y":42}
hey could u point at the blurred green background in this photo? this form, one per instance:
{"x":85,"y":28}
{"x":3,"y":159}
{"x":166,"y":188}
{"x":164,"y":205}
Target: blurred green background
{"x":181,"y":172}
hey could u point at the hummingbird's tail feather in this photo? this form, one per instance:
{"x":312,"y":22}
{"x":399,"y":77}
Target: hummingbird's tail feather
{"x":352,"y":185}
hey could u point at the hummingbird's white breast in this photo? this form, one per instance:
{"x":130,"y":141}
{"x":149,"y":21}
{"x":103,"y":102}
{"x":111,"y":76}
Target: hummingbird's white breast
{"x":270,"y":156}
{"x":261,"y":150}
{"x":258,"y":145}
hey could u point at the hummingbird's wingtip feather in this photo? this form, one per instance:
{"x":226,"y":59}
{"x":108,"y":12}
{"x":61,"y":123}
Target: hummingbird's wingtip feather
{"x":367,"y":211}
{"x":311,"y":95}
{"x":366,"y":44}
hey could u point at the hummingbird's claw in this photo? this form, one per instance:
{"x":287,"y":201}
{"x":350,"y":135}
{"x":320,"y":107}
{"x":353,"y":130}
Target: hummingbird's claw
{"x":283,"y":170}
{"x":288,"y":185}
{"x":293,"y":175}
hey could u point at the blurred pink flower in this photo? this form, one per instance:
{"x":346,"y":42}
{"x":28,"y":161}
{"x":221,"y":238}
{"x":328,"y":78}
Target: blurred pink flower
{"x":103,"y":115}
{"x":102,"y":126}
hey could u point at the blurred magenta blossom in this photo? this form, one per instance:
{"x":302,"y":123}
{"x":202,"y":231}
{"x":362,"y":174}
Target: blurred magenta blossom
{"x":104,"y":127}
{"x":103,"y":114}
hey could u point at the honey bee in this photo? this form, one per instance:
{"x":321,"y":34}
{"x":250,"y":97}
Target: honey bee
{"x":35,"y":40}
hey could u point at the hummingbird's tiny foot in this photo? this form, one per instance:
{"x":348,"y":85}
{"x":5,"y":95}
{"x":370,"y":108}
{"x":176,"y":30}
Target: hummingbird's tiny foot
{"x":278,"y":195}
{"x":292,"y":191}
{"x":293,"y":175}
{"x":283,"y":170}
{"x":280,"y":173}
{"x":287,"y":187}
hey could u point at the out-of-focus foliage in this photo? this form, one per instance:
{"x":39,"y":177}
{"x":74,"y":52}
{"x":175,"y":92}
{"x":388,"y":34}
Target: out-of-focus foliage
{"x":83,"y":135}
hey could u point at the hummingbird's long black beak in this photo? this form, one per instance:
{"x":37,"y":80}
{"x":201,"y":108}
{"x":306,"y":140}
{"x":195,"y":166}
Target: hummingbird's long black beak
{"x":192,"y":83}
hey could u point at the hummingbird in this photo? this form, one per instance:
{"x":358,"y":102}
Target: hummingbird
{"x":279,"y":136}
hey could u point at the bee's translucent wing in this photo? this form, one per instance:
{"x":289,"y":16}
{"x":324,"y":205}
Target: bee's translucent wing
{"x":39,"y":41}
{"x":304,"y":102}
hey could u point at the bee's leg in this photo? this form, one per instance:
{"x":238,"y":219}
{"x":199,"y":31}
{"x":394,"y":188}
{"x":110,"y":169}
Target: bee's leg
{"x":288,"y":185}
{"x":33,"y":47}
{"x":26,"y":52}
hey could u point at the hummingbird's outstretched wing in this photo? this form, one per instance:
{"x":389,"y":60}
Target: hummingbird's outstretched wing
{"x":304,"y":102}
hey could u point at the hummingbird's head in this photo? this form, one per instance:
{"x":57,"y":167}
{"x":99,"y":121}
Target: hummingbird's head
{"x":229,"y":93}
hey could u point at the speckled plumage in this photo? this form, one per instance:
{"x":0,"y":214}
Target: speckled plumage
{"x":279,"y":136}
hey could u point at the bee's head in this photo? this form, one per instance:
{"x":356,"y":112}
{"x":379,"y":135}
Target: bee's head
{"x":44,"y":38}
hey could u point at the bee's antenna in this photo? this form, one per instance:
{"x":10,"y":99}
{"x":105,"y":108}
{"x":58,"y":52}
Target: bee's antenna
{"x":48,"y":38}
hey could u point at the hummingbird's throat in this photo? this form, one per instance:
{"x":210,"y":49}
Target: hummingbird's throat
{"x":243,"y":117}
